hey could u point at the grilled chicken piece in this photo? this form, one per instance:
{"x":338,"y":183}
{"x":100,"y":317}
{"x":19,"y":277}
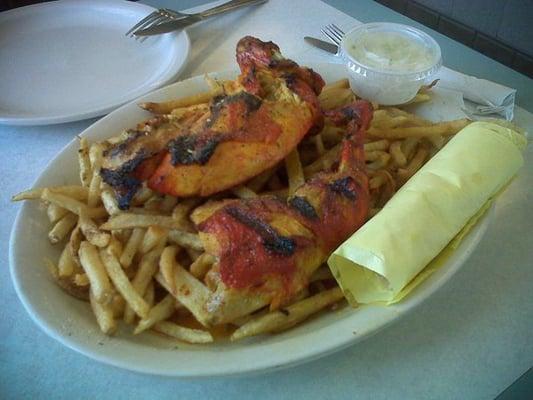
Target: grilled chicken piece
{"x":262,"y":116}
{"x":266,"y":249}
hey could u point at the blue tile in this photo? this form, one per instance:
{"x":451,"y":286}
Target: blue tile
{"x":442,"y":6}
{"x":494,"y":49}
{"x":516,"y":28}
{"x":457,"y":31}
{"x":483,"y":15}
{"x":422,"y":14}
{"x":396,"y":5}
{"x":524,"y":65}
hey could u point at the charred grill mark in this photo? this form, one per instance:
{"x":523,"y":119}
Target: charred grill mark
{"x":190,"y":149}
{"x":345,"y":186}
{"x":305,"y":208}
{"x":119,"y":148}
{"x":121,"y":180}
{"x":251,"y":102}
{"x":272,"y":240}
{"x":290,"y":80}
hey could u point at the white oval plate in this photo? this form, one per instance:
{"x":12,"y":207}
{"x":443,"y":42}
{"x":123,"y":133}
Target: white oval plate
{"x":69,"y":60}
{"x":71,"y":322}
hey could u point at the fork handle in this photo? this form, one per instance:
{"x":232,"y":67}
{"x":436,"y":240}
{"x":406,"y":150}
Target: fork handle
{"x":230,"y":5}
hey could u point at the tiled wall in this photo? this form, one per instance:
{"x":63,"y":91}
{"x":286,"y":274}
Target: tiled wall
{"x":500,"y":29}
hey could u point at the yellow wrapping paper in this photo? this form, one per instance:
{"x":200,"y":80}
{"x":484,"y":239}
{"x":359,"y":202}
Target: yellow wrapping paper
{"x":419,"y":221}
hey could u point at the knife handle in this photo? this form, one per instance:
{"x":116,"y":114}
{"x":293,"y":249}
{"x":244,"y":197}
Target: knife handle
{"x":230,"y":5}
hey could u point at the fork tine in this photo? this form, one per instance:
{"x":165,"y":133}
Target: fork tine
{"x":146,"y":23}
{"x":158,"y":20}
{"x":334,"y":32}
{"x":337,"y":29}
{"x":330,"y":36}
{"x":141,"y":22}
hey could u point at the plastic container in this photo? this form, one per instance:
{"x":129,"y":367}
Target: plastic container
{"x":388,"y":63}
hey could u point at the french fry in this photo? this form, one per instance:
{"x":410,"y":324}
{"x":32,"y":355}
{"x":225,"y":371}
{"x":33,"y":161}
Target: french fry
{"x":189,"y":291}
{"x":104,"y":316}
{"x":118,"y":305}
{"x":109,"y":202}
{"x":154,"y":234}
{"x":201,"y":265}
{"x":96,"y":158}
{"x":66,"y":264}
{"x":129,"y":220}
{"x":380,"y":162}
{"x":73,"y":205}
{"x":76,"y":192}
{"x":396,"y":153}
{"x":167,"y":106}
{"x":321,"y":274}
{"x":168,"y":203}
{"x":62,"y":228}
{"x":378,"y":145}
{"x":122,"y":283}
{"x":149,"y":295}
{"x":160,"y":312}
{"x":148,"y":266}
{"x":414,"y":165}
{"x":132,"y":246}
{"x":332,"y":135}
{"x":92,"y":233}
{"x":76,"y":237}
{"x":84,"y":162}
{"x":55,"y":213}
{"x":289,"y":316}
{"x":92,"y":265}
{"x":115,"y":246}
{"x":335,"y":97}
{"x":142,"y":196}
{"x":82,"y":279}
{"x":183,"y":208}
{"x":65,"y":283}
{"x":441,"y":128}
{"x":323,"y":162}
{"x":319,"y":144}
{"x":184,"y":334}
{"x":166,"y":266}
{"x":186,"y":239}
{"x":243,"y":192}
{"x":340,"y":84}
{"x":409,"y":146}
{"x":294,"y":171}
{"x":376,"y":155}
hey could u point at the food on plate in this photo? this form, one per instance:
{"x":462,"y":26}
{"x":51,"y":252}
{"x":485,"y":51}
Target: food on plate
{"x":247,"y":258}
{"x":250,"y":125}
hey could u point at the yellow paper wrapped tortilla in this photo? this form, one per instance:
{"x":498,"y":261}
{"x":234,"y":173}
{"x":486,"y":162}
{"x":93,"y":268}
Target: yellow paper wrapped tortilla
{"x":382,"y":257}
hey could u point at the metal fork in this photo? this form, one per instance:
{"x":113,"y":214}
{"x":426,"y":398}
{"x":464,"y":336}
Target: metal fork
{"x":166,"y":15}
{"x":333,"y":33}
{"x":155,"y":17}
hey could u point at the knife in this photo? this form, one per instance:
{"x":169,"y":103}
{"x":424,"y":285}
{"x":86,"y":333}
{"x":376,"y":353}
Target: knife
{"x":181,"y":23}
{"x":326,"y":46}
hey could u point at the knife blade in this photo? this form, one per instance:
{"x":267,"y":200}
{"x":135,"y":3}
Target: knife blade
{"x":168,"y":26}
{"x":321,"y":44}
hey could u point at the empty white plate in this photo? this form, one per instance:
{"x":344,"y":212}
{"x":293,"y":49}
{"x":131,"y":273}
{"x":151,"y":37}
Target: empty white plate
{"x":70,"y":60}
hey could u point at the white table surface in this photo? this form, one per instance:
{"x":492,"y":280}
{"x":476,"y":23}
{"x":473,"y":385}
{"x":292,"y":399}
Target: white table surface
{"x":470,"y":340}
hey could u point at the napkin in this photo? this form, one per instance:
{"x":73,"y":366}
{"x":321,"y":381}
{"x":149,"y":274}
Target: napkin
{"x":488,"y":98}
{"x":421,"y":219}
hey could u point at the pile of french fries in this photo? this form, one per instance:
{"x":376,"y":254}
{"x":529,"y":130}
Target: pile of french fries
{"x":135,"y":265}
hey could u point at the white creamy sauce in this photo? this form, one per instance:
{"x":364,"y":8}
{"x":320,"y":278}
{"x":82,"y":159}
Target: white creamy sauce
{"x":390,"y":51}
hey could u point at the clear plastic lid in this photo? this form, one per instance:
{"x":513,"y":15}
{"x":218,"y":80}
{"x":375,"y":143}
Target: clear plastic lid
{"x":384,"y":49}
